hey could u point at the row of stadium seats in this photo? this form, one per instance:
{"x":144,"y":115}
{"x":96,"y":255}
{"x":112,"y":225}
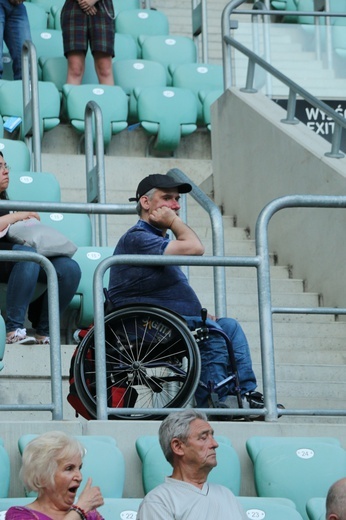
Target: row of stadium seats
{"x":292,"y":474}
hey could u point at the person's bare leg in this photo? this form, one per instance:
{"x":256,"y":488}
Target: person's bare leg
{"x":76,"y":66}
{"x":103,"y":68}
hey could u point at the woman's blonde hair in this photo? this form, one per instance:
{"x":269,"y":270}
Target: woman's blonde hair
{"x":42,"y":455}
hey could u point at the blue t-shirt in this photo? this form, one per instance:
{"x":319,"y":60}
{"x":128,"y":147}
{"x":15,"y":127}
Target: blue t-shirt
{"x":165,"y":286}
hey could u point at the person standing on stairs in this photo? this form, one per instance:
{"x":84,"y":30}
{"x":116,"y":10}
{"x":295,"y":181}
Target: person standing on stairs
{"x":157,"y":198}
{"x":84,"y":23}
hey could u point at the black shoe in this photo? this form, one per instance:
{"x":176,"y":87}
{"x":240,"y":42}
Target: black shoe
{"x":256,"y":400}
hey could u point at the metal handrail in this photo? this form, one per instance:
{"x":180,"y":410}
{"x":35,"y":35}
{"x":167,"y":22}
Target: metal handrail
{"x":294,"y":88}
{"x":31,"y":110}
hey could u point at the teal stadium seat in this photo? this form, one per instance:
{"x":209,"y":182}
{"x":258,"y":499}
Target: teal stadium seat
{"x":11,"y":104}
{"x":298,"y":469}
{"x":82,"y":303}
{"x":2,"y":339}
{"x":120,"y":508}
{"x":54,"y":69}
{"x":5,"y":471}
{"x":37,"y":16}
{"x":286,"y":5}
{"x":47,"y":4}
{"x":316,"y":508}
{"x":103,"y":462}
{"x":48,"y":42}
{"x":198,"y":77}
{"x":169,"y":50}
{"x":16,"y":153}
{"x":269,"y":508}
{"x":207,"y":99}
{"x":34,"y":186}
{"x":111,"y":99}
{"x":155,"y":467}
{"x":54,"y":18}
{"x":75,"y":226}
{"x":138,"y":22}
{"x":123,"y":5}
{"x":168,"y":114}
{"x":137,"y":74}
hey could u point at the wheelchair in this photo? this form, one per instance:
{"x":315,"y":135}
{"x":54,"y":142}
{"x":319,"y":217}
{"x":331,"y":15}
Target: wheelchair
{"x":152,"y":361}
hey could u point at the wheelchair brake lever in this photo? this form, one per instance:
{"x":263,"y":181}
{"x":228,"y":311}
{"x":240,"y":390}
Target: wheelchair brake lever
{"x":202,"y":333}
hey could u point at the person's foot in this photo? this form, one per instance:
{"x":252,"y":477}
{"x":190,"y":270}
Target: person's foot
{"x":42,"y":340}
{"x":20,"y":336}
{"x":254,"y":400}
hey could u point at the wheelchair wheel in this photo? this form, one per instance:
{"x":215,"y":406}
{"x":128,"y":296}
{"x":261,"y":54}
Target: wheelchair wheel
{"x":152,"y":361}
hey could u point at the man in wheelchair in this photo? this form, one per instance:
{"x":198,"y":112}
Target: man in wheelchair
{"x":158,"y":207}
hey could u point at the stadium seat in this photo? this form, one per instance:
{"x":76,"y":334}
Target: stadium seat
{"x":88,"y":259}
{"x":16,"y":153}
{"x":103,"y":462}
{"x":111,"y":99}
{"x":47,"y":4}
{"x":168,"y":113}
{"x":316,"y":508}
{"x":155,"y":467}
{"x":207,"y":99}
{"x":120,"y":508}
{"x":54,"y":69}
{"x":269,"y":508}
{"x":5,"y":471}
{"x":75,"y":226}
{"x":137,"y":74}
{"x":138,"y":22}
{"x":168,"y":50}
{"x":198,"y":77}
{"x":298,"y":469}
{"x":37,"y":16}
{"x":2,"y":340}
{"x":125,"y":47}
{"x":54,"y":21}
{"x":123,"y":5}
{"x":11,"y":103}
{"x":34,"y":186}
{"x":48,"y":43}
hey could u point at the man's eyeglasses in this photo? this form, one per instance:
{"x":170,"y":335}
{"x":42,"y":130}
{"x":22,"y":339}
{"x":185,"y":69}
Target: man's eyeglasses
{"x":4,"y":167}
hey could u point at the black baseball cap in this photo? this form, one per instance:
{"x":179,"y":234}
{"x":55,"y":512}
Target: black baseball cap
{"x":156,"y":180}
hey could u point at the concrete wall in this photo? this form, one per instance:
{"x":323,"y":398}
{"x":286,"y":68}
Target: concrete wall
{"x":257,"y":158}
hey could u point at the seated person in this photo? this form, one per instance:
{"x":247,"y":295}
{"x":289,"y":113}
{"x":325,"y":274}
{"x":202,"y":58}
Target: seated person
{"x":51,"y":466}
{"x":187,"y":441}
{"x":158,"y":207}
{"x":22,"y":277}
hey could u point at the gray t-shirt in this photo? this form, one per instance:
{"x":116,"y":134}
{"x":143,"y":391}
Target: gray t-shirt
{"x":178,"y":500}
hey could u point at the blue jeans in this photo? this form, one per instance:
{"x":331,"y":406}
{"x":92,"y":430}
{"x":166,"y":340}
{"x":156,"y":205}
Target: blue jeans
{"x":14,"y":30}
{"x":21,"y":287}
{"x":215,"y":358}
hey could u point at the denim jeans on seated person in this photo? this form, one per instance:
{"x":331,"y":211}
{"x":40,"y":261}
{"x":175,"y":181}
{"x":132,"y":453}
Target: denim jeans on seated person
{"x":215,"y":358}
{"x":21,"y":287}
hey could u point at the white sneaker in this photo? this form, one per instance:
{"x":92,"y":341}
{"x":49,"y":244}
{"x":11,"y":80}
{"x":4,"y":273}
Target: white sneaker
{"x":19,"y":336}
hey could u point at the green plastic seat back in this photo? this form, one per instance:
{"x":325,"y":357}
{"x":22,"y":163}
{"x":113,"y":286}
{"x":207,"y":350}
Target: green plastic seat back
{"x":256,"y":443}
{"x":37,"y":16}
{"x":125,"y":47}
{"x":75,"y":226}
{"x":47,"y":4}
{"x":316,"y":508}
{"x":170,"y":50}
{"x":123,"y":5}
{"x":103,"y":462}
{"x":167,"y":112}
{"x":111,"y":99}
{"x":48,"y":42}
{"x":120,"y":508}
{"x":137,"y":74}
{"x":199,"y":77}
{"x":298,"y":472}
{"x":138,"y":22}
{"x":16,"y":154}
{"x":269,"y":508}
{"x":11,"y":103}
{"x":34,"y":186}
{"x":88,"y":258}
{"x":155,"y":467}
{"x":207,"y":99}
{"x":54,"y":69}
